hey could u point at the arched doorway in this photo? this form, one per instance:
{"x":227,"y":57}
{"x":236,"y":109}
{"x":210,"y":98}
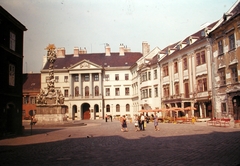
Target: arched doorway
{"x":85,"y":110}
{"x":74,"y":111}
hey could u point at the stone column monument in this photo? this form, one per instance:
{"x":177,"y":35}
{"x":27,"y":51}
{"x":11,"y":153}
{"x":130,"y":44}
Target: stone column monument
{"x":50,"y":103}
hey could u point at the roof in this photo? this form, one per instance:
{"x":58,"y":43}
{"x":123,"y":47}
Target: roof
{"x":198,"y":36}
{"x":31,"y":82}
{"x":233,"y":12}
{"x":12,"y":19}
{"x":115,"y":60}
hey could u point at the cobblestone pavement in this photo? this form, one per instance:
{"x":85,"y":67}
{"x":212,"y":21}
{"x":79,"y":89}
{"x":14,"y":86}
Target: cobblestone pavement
{"x":102,"y":143}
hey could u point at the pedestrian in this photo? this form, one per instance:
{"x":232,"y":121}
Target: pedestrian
{"x":156,"y":122}
{"x":111,"y":117}
{"x":139,"y":122}
{"x":124,"y":123}
{"x":136,"y":123}
{"x":106,"y":117}
{"x":142,"y":122}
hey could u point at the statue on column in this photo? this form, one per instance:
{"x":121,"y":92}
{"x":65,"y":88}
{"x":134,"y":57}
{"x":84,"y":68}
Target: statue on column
{"x":51,"y":92}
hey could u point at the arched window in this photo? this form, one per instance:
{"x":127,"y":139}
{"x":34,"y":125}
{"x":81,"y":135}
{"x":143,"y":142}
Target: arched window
{"x":86,"y":91}
{"x":108,"y":108}
{"x":127,"y":107}
{"x":76,"y":91}
{"x":96,"y":91}
{"x":117,"y":108}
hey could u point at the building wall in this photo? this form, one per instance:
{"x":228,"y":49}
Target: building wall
{"x":225,"y":61}
{"x":11,"y":50}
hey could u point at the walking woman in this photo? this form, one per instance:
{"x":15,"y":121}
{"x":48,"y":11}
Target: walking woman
{"x":156,"y":122}
{"x":124,"y":124}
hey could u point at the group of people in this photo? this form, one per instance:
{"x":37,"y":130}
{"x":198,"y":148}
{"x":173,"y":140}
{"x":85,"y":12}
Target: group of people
{"x":139,"y":122}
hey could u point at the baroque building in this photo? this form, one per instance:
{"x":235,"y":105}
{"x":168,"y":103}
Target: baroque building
{"x":225,"y":41}
{"x":94,"y":84}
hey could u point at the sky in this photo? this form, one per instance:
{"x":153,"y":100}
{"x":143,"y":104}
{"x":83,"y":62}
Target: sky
{"x":91,"y":24}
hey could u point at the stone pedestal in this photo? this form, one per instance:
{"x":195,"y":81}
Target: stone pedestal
{"x":46,"y":113}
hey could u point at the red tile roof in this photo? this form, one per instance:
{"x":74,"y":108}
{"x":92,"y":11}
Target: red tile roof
{"x":100,"y":59}
{"x":31,"y":82}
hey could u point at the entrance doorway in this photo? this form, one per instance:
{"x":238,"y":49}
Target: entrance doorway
{"x":85,"y":111}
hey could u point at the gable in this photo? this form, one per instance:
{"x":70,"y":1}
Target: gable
{"x":84,"y":64}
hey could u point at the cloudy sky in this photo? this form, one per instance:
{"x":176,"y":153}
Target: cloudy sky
{"x":93,"y":23}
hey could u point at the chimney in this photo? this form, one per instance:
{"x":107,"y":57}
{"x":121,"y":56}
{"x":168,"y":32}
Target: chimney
{"x":121,"y":50}
{"x":61,"y":52}
{"x":145,"y":48}
{"x":75,"y":52}
{"x":83,"y":51}
{"x":107,"y":50}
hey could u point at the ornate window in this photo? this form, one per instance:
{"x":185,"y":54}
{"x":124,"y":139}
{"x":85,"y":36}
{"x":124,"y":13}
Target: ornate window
{"x":86,"y":91}
{"x":117,"y":108}
{"x":127,"y":107}
{"x":96,"y":91}
{"x":76,"y":91}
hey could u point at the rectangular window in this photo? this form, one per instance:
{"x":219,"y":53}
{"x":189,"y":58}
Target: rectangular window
{"x":220,"y":47}
{"x":166,"y":91}
{"x":156,"y":91}
{"x":165,"y":71}
{"x":117,"y":92}
{"x":107,"y":91}
{"x":231,"y":42}
{"x":202,"y":85}
{"x":127,"y":91}
{"x":185,"y":65}
{"x":203,"y":59}
{"x":149,"y":75}
{"x":76,"y":78}
{"x":198,"y":62}
{"x":96,"y":77}
{"x":234,"y":74}
{"x":145,"y":93}
{"x":186,"y":90}
{"x":116,"y":77}
{"x":175,"y":67}
{"x":222,"y":77}
{"x":47,"y":79}
{"x":86,"y":77}
{"x":155,"y":74}
{"x":11,"y":75}
{"x":177,"y":89}
{"x":65,"y":92}
{"x":126,"y":76}
{"x":65,"y":78}
{"x":144,"y":76}
{"x":150,"y":92}
{"x":33,"y":100}
{"x":106,"y":77}
{"x":12,"y":41}
{"x":56,"y":78}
